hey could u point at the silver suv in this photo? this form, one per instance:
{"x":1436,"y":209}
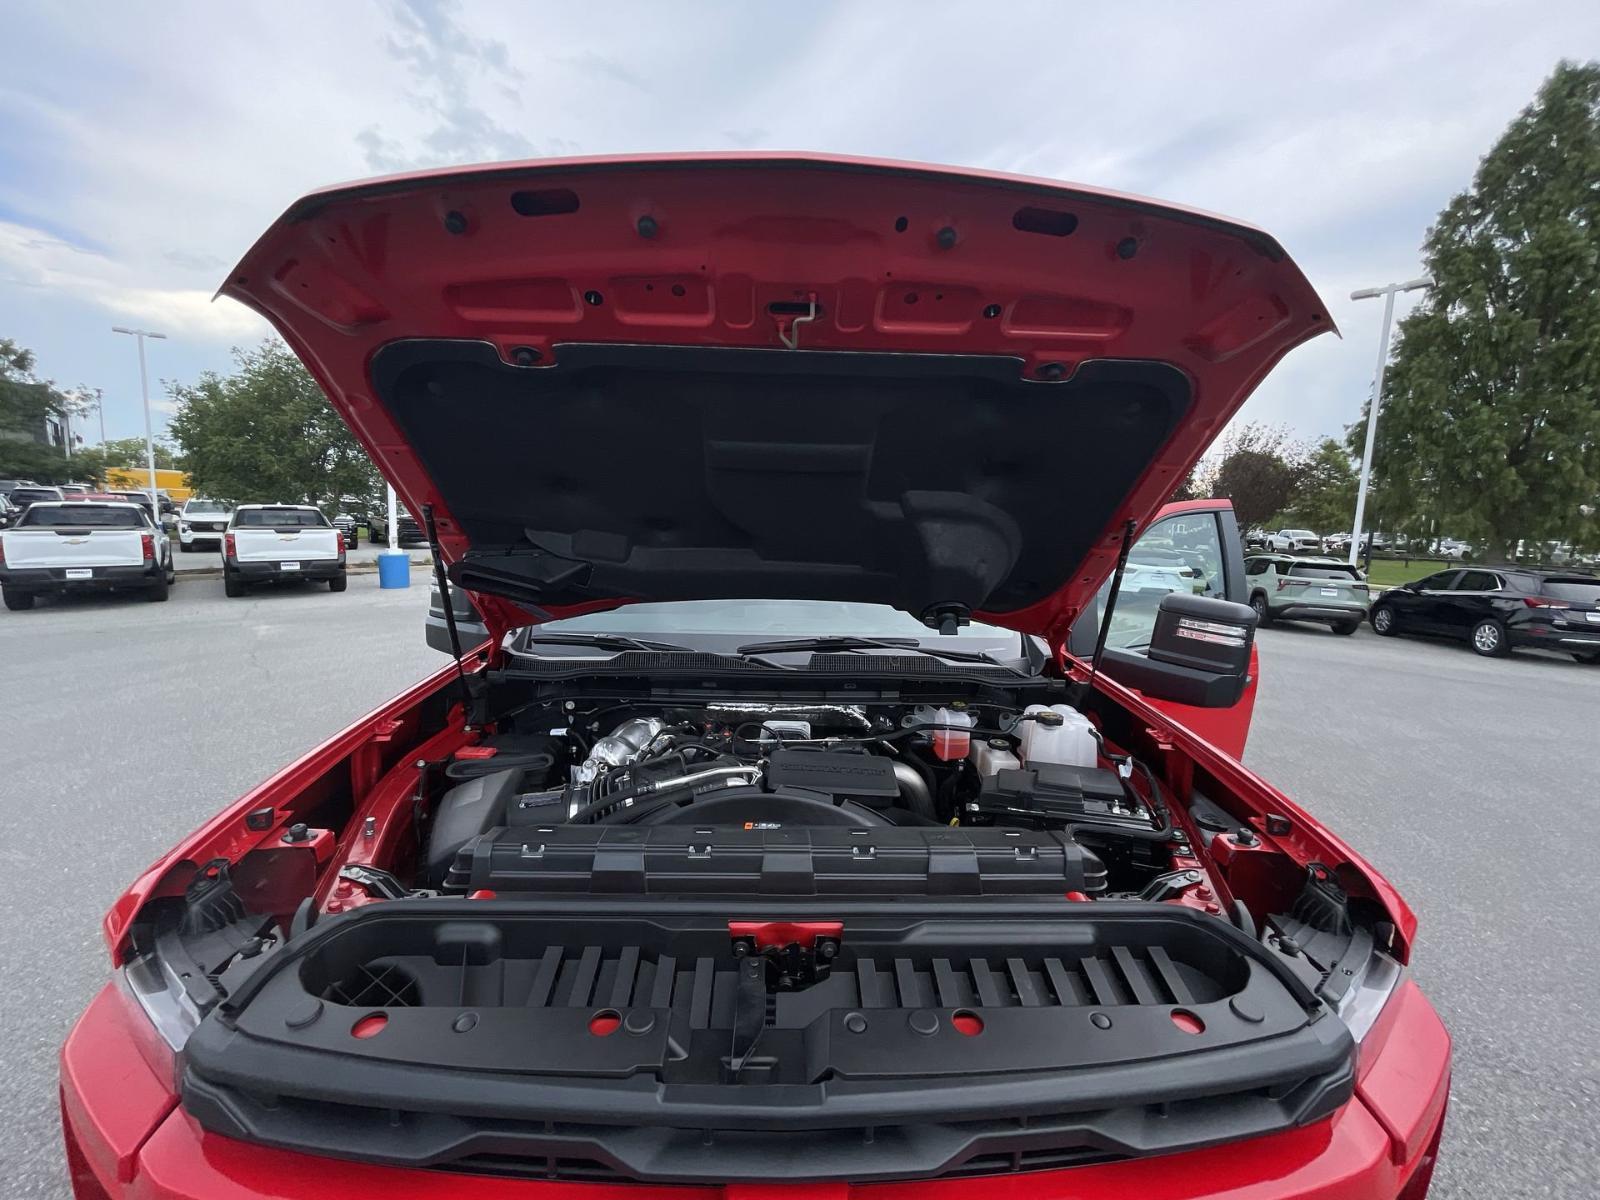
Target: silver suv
{"x":1307,"y":589}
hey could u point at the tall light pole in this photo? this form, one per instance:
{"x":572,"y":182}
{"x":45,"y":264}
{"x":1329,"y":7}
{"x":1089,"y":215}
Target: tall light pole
{"x":149,"y":437}
{"x":1388,"y":293}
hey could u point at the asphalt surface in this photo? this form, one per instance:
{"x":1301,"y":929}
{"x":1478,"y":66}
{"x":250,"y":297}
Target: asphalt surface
{"x":1470,"y":782}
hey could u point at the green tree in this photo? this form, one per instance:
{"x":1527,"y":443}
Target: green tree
{"x":1259,"y":470}
{"x":1491,"y":418}
{"x":26,"y":402}
{"x":1197,"y":484}
{"x":1325,"y":498}
{"x":266,"y":432}
{"x":128,"y":454}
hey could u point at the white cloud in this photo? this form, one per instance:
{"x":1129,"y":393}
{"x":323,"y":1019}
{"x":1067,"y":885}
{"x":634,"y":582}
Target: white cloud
{"x":29,"y":259}
{"x":143,"y":150}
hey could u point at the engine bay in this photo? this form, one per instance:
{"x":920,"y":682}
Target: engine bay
{"x":786,"y":798}
{"x":674,"y":893}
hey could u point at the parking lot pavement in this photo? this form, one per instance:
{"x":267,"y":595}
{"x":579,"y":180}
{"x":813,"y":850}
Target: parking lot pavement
{"x":1470,"y":782}
{"x":126,"y":724}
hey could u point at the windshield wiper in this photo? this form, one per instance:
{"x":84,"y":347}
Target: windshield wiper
{"x":824,"y":644}
{"x":607,"y":641}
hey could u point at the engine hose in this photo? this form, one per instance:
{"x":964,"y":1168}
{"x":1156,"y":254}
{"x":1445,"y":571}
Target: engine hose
{"x":653,"y":788}
{"x":462,"y":769}
{"x":928,"y":779}
{"x":897,"y":734}
{"x":914,"y":790}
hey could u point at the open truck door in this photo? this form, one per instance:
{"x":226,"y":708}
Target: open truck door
{"x":1192,"y":546}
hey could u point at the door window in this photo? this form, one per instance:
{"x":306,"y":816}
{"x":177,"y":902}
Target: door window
{"x":1439,"y":582}
{"x":1477,"y":581}
{"x":1181,"y":553}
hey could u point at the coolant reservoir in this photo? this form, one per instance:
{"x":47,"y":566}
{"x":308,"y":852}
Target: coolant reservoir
{"x":993,"y":756}
{"x":1072,"y":741}
{"x":949,"y":743}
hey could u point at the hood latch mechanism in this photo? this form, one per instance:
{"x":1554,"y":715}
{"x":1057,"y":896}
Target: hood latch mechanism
{"x":789,"y":331}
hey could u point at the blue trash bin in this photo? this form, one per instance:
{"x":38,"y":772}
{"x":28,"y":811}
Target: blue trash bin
{"x":394,"y":569}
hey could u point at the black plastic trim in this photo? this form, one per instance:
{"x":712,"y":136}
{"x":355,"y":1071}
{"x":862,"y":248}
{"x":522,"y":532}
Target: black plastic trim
{"x":887,"y":1102}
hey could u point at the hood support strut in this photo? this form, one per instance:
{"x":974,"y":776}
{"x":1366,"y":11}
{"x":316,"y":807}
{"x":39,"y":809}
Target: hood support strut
{"x":1111,"y":606}
{"x":449,"y":605}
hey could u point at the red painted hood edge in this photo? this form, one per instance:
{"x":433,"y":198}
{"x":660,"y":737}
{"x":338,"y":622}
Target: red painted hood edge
{"x":362,"y":298}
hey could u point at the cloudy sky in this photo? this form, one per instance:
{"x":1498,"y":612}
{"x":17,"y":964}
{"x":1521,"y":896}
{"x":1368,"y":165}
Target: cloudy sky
{"x":144,"y":146}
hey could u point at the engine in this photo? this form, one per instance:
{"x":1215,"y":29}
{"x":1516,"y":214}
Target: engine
{"x":758,"y":798}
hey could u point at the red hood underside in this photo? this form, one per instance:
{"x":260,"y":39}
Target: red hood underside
{"x":546,"y":354}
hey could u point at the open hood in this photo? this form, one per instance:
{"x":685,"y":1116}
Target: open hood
{"x":776,"y":375}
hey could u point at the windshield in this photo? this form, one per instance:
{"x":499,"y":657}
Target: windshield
{"x":33,"y":495}
{"x":83,"y":516}
{"x":205,"y":506}
{"x":278,"y":518}
{"x":748,"y":620}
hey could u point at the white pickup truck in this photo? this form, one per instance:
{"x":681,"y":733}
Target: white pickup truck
{"x":76,"y":545}
{"x":201,"y":524}
{"x":270,"y":543}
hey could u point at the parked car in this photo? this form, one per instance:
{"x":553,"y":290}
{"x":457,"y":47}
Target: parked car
{"x":33,"y":493}
{"x":7,"y":486}
{"x":585,"y":921}
{"x":8,"y":512}
{"x":349,"y":527}
{"x":1451,"y":548}
{"x":1323,"y":590}
{"x":201,"y":524}
{"x":142,"y":499}
{"x":71,"y":546}
{"x":1339,"y":543}
{"x":70,"y":491}
{"x":1496,"y":609}
{"x":1159,"y":569}
{"x":277,"y":543}
{"x":1255,"y":538}
{"x":1294,"y":541}
{"x":409,"y":531}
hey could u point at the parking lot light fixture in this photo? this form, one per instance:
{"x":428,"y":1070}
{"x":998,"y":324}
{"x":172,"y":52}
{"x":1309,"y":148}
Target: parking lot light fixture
{"x":1388,"y":292}
{"x":149,"y":437}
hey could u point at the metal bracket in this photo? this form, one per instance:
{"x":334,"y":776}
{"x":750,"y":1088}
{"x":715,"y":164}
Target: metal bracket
{"x":791,"y":338}
{"x":378,"y":882}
